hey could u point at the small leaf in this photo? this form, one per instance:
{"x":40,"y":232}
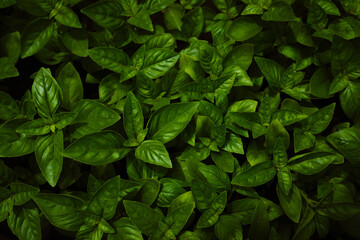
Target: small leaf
{"x":153,"y":152}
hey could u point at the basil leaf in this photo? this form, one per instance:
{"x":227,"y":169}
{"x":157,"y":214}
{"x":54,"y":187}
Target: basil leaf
{"x":46,"y":93}
{"x":153,"y":152}
{"x":256,"y":175}
{"x":97,"y":148}
{"x":169,"y":121}
{"x":48,"y":152}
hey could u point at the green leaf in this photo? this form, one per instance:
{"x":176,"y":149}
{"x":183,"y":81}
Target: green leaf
{"x":350,"y":100}
{"x":217,"y":178}
{"x":63,"y":119}
{"x":279,"y":11}
{"x":284,"y":179}
{"x":149,"y":190}
{"x":67,"y":17}
{"x":170,"y":190}
{"x":144,"y":217}
{"x":92,"y":117}
{"x":319,"y":120}
{"x":111,"y":58}
{"x":142,"y":20}
{"x":291,"y":203}
{"x":13,"y":144}
{"x":8,"y":107}
{"x":340,"y":211}
{"x":228,"y":227}
{"x":223,"y":160}
{"x":271,"y":70}
{"x":37,"y":8}
{"x":46,"y":93}
{"x":288,"y":117}
{"x":320,"y":83}
{"x":104,"y":202}
{"x":280,"y":157}
{"x":256,"y":175}
{"x":169,"y":121}
{"x":25,"y":223}
{"x":107,"y":14}
{"x":347,"y":142}
{"x":7,"y":3}
{"x":303,"y":140}
{"x":164,"y":41}
{"x":48,"y":152}
{"x":274,"y":131}
{"x":260,"y":226}
{"x":70,"y":83}
{"x":76,"y":41}
{"x":133,"y":116}
{"x":153,"y":152}
{"x":10,"y":46}
{"x":21,"y":193}
{"x":243,"y":28}
{"x":63,"y":211}
{"x":211,"y":216}
{"x":97,"y":148}
{"x":158,"y":61}
{"x":311,"y":163}
{"x":8,"y":69}
{"x":35,"y":36}
{"x":233,"y":144}
{"x":36,"y":127}
{"x":173,"y":17}
{"x":177,"y":218}
{"x":126,"y":230}
{"x":241,"y":56}
{"x":193,"y":23}
{"x":203,"y":194}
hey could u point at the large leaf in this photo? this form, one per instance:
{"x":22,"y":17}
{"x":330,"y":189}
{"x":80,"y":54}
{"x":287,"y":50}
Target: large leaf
{"x":153,"y":152}
{"x":35,"y":36}
{"x":48,"y":152}
{"x":111,"y":58}
{"x":158,"y":61}
{"x":104,"y":201}
{"x":169,"y":121}
{"x":92,"y":117}
{"x":63,"y":211}
{"x":97,"y":148}
{"x":133,"y":116}
{"x":46,"y":93}
{"x":144,"y":217}
{"x":107,"y":14}
{"x":256,"y":175}
{"x":25,"y":223}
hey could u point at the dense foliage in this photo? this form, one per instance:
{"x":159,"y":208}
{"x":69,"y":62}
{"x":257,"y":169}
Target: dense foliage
{"x":189,"y":120}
